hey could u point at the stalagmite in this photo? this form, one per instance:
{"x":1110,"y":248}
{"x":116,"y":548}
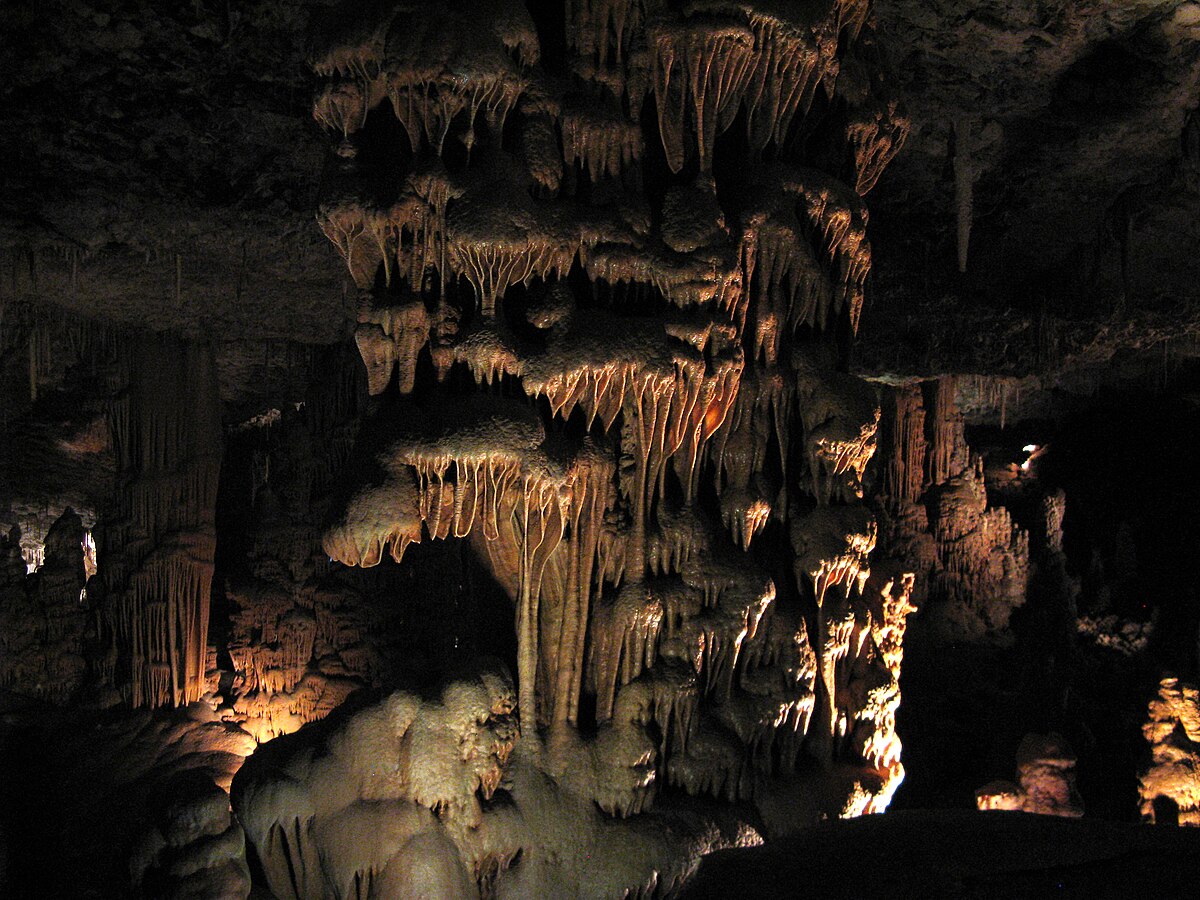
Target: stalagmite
{"x":1046,"y":771}
{"x":975,"y":561}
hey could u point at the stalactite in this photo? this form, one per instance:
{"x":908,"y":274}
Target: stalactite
{"x":964,"y":187}
{"x":604,"y":142}
{"x":598,"y":26}
{"x":832,"y":546}
{"x":42,"y":622}
{"x":903,"y":456}
{"x":840,"y":414}
{"x":166,"y":436}
{"x":622,"y":354}
{"x":943,"y":429}
{"x":700,"y":76}
{"x":804,"y":250}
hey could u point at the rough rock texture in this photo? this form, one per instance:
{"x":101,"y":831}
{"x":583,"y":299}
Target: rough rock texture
{"x":1053,"y":150}
{"x":43,"y":619}
{"x":125,"y":803}
{"x":1107,"y":87}
{"x":972,"y":561}
{"x":627,"y":401}
{"x":195,"y":849}
{"x":1170,"y":785}
{"x":1046,"y":772}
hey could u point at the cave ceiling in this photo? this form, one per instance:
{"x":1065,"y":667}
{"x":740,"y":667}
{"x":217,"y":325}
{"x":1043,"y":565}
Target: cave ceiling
{"x":161,"y":167}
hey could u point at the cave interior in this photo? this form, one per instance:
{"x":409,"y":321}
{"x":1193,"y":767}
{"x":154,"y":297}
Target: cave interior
{"x":599,"y":448}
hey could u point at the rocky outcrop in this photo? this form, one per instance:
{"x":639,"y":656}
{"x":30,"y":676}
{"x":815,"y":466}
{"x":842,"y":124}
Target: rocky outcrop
{"x":44,"y":617}
{"x":194,"y":849}
{"x":1046,"y":776}
{"x":1169,"y":786}
{"x":972,"y":561}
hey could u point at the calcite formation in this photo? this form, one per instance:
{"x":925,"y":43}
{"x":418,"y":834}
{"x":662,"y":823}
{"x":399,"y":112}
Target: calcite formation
{"x":973,"y":562}
{"x":297,"y":644}
{"x":154,"y":612}
{"x":43,"y":620}
{"x":1169,"y":785}
{"x":601,"y":299}
{"x":1046,"y":772}
{"x":194,"y":849}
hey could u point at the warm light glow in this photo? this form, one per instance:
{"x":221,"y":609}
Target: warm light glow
{"x":1029,"y":448}
{"x":713,"y":417}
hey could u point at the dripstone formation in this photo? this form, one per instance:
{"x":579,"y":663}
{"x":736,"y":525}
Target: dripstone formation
{"x":609,"y":258}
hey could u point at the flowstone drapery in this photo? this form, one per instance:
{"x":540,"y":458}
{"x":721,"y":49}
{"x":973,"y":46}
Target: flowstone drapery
{"x":603,"y":296}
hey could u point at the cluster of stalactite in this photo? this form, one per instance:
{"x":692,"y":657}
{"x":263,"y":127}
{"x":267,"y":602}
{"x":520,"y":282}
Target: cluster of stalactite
{"x":158,"y":542}
{"x":48,"y":342}
{"x":43,"y":615}
{"x":627,"y":402}
{"x":971,"y":559}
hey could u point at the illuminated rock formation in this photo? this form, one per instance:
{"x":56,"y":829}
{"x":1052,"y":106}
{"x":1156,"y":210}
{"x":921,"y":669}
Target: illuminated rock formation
{"x":1046,"y":771}
{"x":296,"y":643}
{"x":1170,"y":785}
{"x":971,"y":559}
{"x":618,"y":382}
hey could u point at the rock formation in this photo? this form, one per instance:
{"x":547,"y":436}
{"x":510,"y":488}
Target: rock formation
{"x":43,"y":619}
{"x":1169,"y":786}
{"x":1046,"y":772}
{"x":160,"y":541}
{"x":599,"y":313}
{"x":594,"y":486}
{"x":936,"y":517}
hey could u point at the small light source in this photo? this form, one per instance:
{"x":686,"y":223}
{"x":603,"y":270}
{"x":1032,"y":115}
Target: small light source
{"x":1032,"y":450}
